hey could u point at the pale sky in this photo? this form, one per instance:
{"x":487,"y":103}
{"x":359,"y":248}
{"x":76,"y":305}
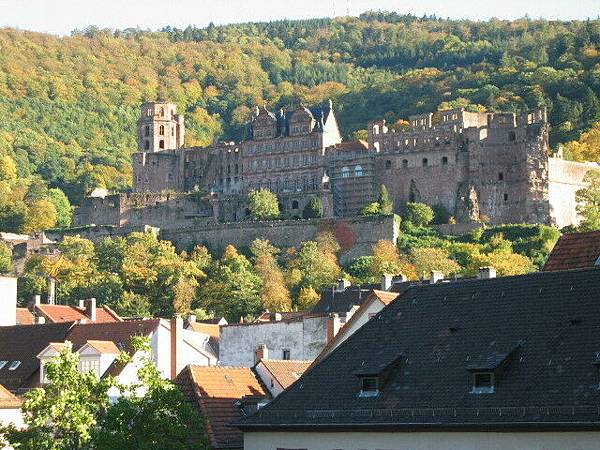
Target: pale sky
{"x":63,"y":16}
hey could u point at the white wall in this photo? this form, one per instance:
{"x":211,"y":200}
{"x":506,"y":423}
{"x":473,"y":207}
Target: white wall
{"x":269,"y":380}
{"x":13,"y":416}
{"x":8,"y":301}
{"x":565,"y":179}
{"x":423,"y":441}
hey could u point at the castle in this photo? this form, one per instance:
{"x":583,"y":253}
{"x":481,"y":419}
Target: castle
{"x":478,"y":166}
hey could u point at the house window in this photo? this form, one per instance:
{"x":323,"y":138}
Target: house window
{"x":444,"y":161}
{"x":89,"y":365}
{"x":512,"y":136}
{"x":2,"y":364}
{"x":358,"y":171}
{"x":500,"y":176}
{"x":147,"y":130}
{"x":295,"y":204}
{"x":285,"y":354}
{"x":505,"y":197}
{"x":483,"y":383}
{"x":425,"y":161}
{"x":388,"y":164}
{"x":161,"y":144}
{"x":147,"y":145}
{"x":345,"y":172}
{"x":14,"y":365}
{"x":369,"y":387}
{"x":405,"y":163}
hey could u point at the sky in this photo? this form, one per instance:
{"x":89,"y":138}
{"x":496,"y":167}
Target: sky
{"x":63,"y":16}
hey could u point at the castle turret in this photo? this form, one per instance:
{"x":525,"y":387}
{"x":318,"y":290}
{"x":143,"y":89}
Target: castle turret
{"x":160,"y":127}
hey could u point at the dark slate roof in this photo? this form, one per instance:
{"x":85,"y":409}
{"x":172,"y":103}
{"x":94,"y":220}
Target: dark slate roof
{"x":574,"y":251}
{"x":23,"y":343}
{"x":333,"y":301}
{"x":543,"y":329}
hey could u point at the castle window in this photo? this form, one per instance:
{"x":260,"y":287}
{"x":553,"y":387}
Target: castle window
{"x":161,"y":144}
{"x":388,"y":164}
{"x":444,"y":160}
{"x":505,"y":197}
{"x":358,"y":171}
{"x":161,"y":130}
{"x":405,"y":163}
{"x":146,"y":145}
{"x":425,"y":161}
{"x":295,"y":204}
{"x":172,"y":131}
{"x":512,"y":136}
{"x":500,"y":176}
{"x":345,"y":172}
{"x":162,"y":112}
{"x":236,"y":169}
{"x":285,"y":354}
{"x":147,"y":133}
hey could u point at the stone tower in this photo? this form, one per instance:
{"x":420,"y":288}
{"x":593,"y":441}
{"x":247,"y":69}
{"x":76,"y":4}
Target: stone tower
{"x":160,"y":127}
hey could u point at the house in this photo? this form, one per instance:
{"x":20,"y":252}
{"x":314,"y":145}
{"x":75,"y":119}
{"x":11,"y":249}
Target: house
{"x":10,"y":408}
{"x":225,"y":394}
{"x":87,"y":311}
{"x":295,"y":336}
{"x":375,"y":302}
{"x":575,"y":251}
{"x":499,"y":363}
{"x":25,"y":349}
{"x":210,"y":327}
{"x":8,"y":301}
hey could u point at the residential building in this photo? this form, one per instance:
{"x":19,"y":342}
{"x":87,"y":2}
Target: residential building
{"x":10,"y":408}
{"x":496,"y":363}
{"x":277,"y":374}
{"x":8,"y":301}
{"x":575,"y":251}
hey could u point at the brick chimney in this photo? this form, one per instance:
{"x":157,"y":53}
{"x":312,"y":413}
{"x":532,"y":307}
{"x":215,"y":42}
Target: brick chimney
{"x":262,"y":352}
{"x":90,"y":309}
{"x":176,"y":344}
{"x":333,"y":326}
{"x":436,"y":276}
{"x":386,"y":281}
{"x":486,"y":273}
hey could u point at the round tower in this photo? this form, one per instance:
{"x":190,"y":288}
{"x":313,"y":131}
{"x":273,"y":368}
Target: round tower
{"x":160,"y":127}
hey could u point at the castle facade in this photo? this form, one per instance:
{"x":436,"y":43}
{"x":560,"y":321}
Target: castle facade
{"x":495,"y":167}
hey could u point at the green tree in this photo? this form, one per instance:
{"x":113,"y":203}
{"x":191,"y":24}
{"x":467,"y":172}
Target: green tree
{"x":313,"y":209}
{"x":386,"y":206}
{"x":8,"y":168}
{"x":64,"y":210}
{"x":275,"y":296}
{"x":372,"y":209}
{"x":5,"y":258}
{"x":428,"y":259}
{"x":418,"y":214}
{"x":263,"y":204}
{"x":41,"y":215}
{"x":588,"y":202}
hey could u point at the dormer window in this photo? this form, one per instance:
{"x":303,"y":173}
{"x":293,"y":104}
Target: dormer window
{"x":369,"y":387}
{"x":483,"y":383}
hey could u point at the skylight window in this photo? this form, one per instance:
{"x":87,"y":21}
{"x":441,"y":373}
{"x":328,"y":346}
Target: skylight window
{"x":2,"y":364}
{"x":369,"y":387}
{"x":14,"y":365}
{"x":483,"y":383}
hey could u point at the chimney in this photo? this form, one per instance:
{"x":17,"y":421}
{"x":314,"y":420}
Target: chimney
{"x":51,"y":291}
{"x":40,"y":320}
{"x":82,"y":304}
{"x":37,"y":300}
{"x":486,"y":273}
{"x":342,"y":284}
{"x":386,"y":282}
{"x":400,"y":278}
{"x":192,"y":318}
{"x":176,"y":344}
{"x":275,"y":317}
{"x":333,"y":326}
{"x":262,"y":352}
{"x":436,"y":276}
{"x":90,"y":309}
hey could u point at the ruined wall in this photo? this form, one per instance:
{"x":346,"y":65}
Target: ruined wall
{"x":157,"y":172}
{"x":97,"y":233}
{"x":356,"y":235}
{"x":565,"y":179}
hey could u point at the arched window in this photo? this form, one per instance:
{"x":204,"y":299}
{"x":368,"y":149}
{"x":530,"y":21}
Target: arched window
{"x":295,"y":204}
{"x":358,"y":171}
{"x":405,"y":163}
{"x":161,"y":130}
{"x":388,"y":164}
{"x":345,"y":172}
{"x":162,"y":112}
{"x":161,"y":144}
{"x":147,"y":132}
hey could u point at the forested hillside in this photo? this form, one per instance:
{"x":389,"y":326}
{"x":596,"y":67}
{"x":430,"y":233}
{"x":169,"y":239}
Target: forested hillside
{"x":68,"y":106}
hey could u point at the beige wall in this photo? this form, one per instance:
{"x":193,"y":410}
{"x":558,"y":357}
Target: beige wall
{"x":565,"y":179}
{"x":423,"y":441}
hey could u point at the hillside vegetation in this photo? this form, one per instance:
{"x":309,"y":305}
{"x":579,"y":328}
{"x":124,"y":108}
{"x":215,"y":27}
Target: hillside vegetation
{"x":68,"y":106}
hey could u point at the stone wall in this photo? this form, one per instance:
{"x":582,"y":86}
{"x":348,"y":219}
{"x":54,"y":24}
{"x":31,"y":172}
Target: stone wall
{"x":356,"y":235}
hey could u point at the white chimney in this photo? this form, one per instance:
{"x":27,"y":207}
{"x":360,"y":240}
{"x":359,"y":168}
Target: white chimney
{"x":82,"y":304}
{"x":51,"y":291}
{"x":386,"y":281}
{"x":342,"y":284}
{"x":192,"y":318}
{"x":37,"y":300}
{"x":334,"y":324}
{"x":436,"y":276}
{"x":90,"y":309}
{"x":400,"y":278}
{"x":276,"y":317}
{"x":176,"y":344}
{"x":486,"y":273}
{"x":40,"y":320}
{"x":8,"y":301}
{"x":262,"y":352}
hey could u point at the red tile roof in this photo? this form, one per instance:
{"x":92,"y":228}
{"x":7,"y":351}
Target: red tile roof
{"x":285,"y":372}
{"x":25,"y":317}
{"x":8,"y":400}
{"x":64,"y":313}
{"x":574,"y":251}
{"x":215,"y":391}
